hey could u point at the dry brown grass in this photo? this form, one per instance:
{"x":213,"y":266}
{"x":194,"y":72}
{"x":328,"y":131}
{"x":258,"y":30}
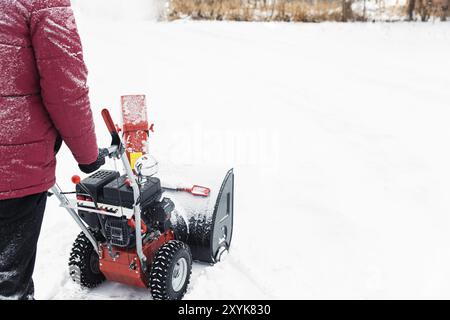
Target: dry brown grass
{"x":259,"y":10}
{"x":425,"y":10}
{"x":295,"y":10}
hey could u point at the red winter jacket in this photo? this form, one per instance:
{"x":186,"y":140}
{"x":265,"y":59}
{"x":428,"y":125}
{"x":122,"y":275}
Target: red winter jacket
{"x":43,"y":94}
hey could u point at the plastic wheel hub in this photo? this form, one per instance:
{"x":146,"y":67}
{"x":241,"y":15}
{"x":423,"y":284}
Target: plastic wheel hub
{"x":179,"y":274}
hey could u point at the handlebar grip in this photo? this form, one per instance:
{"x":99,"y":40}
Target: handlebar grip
{"x":103,"y":153}
{"x":108,"y":121}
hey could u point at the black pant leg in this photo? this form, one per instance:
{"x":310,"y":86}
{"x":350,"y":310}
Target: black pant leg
{"x":20,"y":226}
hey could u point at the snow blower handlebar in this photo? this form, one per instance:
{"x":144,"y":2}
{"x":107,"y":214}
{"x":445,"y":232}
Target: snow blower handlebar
{"x":108,"y":121}
{"x":116,"y":150}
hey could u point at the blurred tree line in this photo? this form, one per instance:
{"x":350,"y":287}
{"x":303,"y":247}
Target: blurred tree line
{"x":307,"y":10}
{"x":425,"y":9}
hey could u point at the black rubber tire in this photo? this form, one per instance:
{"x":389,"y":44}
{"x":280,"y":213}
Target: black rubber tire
{"x":84,"y":263}
{"x":180,"y":228}
{"x":160,"y":280}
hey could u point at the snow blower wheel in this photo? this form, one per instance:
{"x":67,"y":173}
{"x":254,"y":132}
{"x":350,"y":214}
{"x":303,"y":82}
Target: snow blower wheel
{"x":84,"y":267}
{"x":171,"y":271}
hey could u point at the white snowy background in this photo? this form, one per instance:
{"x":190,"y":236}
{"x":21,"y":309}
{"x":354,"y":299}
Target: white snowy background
{"x":339,"y":135}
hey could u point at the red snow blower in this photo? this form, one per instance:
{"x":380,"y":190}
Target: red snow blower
{"x":136,"y":231}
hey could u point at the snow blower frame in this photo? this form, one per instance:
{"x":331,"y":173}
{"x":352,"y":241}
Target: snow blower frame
{"x":131,"y":232}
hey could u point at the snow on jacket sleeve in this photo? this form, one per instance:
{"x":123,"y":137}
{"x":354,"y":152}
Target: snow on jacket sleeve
{"x":63,"y":76}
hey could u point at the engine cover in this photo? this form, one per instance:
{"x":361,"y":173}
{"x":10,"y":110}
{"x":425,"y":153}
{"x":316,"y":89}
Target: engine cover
{"x":95,"y":183}
{"x":118,"y":193}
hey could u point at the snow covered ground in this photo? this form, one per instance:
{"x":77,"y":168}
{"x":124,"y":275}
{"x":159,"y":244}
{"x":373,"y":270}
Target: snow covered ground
{"x":339,"y":136}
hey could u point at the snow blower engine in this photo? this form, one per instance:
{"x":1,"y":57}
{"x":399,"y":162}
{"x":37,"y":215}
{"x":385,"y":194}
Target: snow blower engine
{"x":137,"y":231}
{"x":115,"y":196}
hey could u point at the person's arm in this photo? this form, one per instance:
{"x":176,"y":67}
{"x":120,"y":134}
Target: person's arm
{"x":63,"y":76}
